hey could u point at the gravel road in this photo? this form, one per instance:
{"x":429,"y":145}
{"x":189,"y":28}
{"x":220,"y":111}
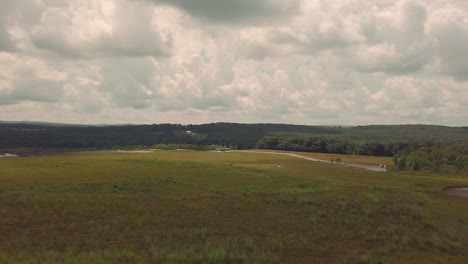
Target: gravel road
{"x":355,"y":165}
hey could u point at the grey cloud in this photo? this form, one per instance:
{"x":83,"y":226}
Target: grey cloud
{"x":392,"y":60}
{"x":362,"y":37}
{"x":451,"y":48}
{"x":314,"y":39}
{"x":260,"y":52}
{"x":32,"y":89}
{"x":235,"y":11}
{"x":22,"y":13}
{"x":404,"y":48}
{"x":322,"y":114}
{"x":412,"y":20}
{"x":216,"y":102}
{"x":6,"y":44}
{"x":411,"y":48}
{"x":129,"y":82}
{"x":132,"y":33}
{"x":129,"y":44}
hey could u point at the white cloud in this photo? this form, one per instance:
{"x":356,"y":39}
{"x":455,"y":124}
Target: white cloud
{"x":101,"y":28}
{"x":26,"y":79}
{"x":449,"y":26}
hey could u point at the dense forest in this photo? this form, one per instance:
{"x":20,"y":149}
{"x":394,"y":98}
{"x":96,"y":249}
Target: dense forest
{"x":241,"y":135}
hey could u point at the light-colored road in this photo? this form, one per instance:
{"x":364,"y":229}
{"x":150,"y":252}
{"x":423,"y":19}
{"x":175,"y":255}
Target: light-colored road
{"x":8,"y":155}
{"x":462,"y":192}
{"x":355,"y":165}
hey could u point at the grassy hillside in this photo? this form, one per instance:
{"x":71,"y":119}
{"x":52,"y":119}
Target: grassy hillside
{"x":206,"y":207}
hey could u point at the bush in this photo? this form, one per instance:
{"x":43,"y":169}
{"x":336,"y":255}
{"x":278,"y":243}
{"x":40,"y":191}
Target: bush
{"x":402,"y":163}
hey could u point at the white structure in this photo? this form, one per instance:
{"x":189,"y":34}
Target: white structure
{"x":223,"y":149}
{"x":8,"y":155}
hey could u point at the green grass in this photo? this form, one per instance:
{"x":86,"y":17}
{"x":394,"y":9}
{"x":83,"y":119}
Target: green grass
{"x":205,"y":207}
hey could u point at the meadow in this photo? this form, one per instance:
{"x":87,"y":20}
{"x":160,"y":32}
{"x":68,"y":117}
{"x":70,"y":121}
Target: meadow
{"x":207,"y":207}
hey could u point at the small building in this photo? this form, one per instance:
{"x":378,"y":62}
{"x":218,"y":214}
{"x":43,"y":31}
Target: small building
{"x":8,"y":155}
{"x":383,"y":167}
{"x":223,"y":149}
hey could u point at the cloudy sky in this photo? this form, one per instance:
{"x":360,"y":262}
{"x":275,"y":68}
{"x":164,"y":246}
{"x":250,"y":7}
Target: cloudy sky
{"x":197,"y":61}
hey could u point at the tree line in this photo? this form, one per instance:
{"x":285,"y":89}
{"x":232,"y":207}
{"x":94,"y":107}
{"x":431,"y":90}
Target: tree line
{"x":328,"y":144}
{"x":432,"y":156}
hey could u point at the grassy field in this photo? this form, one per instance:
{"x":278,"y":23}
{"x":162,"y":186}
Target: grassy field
{"x":206,"y":207}
{"x":360,"y":159}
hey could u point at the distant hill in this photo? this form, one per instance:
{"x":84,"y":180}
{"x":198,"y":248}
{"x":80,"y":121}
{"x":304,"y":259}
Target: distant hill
{"x":34,"y":123}
{"x":416,"y":133}
{"x":53,"y":135}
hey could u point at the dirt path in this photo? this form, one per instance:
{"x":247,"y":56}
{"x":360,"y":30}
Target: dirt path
{"x":8,"y":155}
{"x":462,"y":192}
{"x":132,"y":151}
{"x":355,"y":165}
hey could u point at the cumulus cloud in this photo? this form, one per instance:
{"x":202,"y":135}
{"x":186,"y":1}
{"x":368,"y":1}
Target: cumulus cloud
{"x":24,"y":79}
{"x":236,"y":12}
{"x":289,"y":61}
{"x":129,"y":82}
{"x":32,"y":89}
{"x":101,"y":28}
{"x":449,"y":26}
{"x":5,"y":40}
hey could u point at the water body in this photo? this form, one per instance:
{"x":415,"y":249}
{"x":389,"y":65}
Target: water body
{"x":8,"y":155}
{"x":462,"y":192}
{"x":355,"y":165}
